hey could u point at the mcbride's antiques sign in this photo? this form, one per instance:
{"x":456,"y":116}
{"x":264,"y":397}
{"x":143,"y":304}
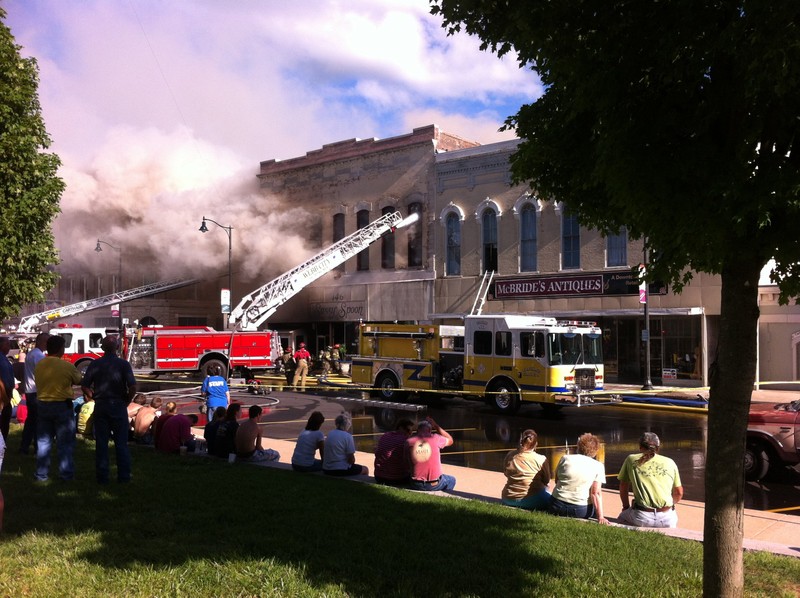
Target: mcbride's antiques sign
{"x":578,"y":285}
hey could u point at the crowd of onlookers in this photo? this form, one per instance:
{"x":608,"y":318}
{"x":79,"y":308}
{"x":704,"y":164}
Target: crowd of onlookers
{"x":110,"y":409}
{"x":411,"y":458}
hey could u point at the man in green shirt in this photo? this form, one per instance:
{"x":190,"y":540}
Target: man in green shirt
{"x":656,"y":486}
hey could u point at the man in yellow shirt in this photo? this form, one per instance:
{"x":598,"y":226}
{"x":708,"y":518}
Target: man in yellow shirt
{"x":55,"y":378}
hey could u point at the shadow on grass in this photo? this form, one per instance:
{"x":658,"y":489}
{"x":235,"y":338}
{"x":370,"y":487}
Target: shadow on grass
{"x":367,"y":539}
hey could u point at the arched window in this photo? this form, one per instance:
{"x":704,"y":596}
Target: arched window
{"x":453,"y":227}
{"x":362,"y":259}
{"x":527,"y":239}
{"x":415,"y":237}
{"x":338,"y":234}
{"x":489,"y":229}
{"x":387,"y":244}
{"x":617,"y":248}
{"x":570,"y":242}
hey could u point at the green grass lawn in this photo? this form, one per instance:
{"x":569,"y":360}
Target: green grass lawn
{"x":190,"y":526}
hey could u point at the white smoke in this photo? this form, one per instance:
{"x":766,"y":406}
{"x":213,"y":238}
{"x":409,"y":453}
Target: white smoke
{"x":146,"y":192}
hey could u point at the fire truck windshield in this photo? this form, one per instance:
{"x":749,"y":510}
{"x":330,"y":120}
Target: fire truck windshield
{"x":570,"y":348}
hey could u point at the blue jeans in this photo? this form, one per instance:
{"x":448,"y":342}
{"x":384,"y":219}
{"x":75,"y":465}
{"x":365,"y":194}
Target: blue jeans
{"x":445,"y":483}
{"x":567,"y":509}
{"x":111,"y":421}
{"x":29,"y":428}
{"x":538,"y":502}
{"x":56,"y":420}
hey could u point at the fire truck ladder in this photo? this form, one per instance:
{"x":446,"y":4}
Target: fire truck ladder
{"x":483,"y":291}
{"x":262,"y":303}
{"x":29,"y":323}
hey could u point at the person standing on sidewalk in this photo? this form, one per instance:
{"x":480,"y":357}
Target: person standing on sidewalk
{"x":656,"y":485}
{"x":55,"y":378}
{"x":425,"y":459}
{"x":33,"y":357}
{"x":109,"y":380}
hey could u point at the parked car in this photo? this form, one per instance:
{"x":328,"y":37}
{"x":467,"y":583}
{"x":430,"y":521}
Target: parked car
{"x":773,"y":438}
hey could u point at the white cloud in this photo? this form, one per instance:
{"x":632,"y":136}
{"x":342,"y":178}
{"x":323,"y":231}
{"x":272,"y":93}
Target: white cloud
{"x":161,"y":111}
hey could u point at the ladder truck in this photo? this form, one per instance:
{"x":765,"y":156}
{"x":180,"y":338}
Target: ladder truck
{"x":259,"y":305}
{"x":28,"y":324}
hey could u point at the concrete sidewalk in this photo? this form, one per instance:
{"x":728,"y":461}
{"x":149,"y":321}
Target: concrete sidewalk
{"x":772,"y":532}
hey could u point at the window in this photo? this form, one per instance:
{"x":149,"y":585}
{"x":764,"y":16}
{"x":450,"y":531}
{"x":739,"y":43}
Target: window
{"x":453,"y":265}
{"x":362,"y":259}
{"x":527,"y":239}
{"x":617,"y":248}
{"x":502,"y":343}
{"x":415,"y":237}
{"x":387,"y":245}
{"x":338,"y":234}
{"x":570,"y":242}
{"x":532,"y":344}
{"x":489,"y":222}
{"x":482,"y":342}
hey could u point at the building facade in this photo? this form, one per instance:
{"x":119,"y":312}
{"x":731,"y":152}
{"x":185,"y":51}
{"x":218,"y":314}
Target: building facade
{"x":472,"y":221}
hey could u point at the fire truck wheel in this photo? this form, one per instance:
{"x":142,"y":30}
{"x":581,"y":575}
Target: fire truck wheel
{"x":214,"y":365}
{"x":82,"y":365}
{"x":387,"y":388}
{"x":503,"y":397}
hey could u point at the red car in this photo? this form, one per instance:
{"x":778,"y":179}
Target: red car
{"x":773,"y":438}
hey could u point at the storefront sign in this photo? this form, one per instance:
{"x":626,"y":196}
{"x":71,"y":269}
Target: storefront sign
{"x":338,"y":311}
{"x":578,"y":285}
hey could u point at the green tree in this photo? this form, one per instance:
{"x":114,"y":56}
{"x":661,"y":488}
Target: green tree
{"x":29,"y":188}
{"x":681,"y":121}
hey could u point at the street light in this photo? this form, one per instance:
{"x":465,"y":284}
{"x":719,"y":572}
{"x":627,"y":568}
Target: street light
{"x":119,"y":276}
{"x":229,"y":231}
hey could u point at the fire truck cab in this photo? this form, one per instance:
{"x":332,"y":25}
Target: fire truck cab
{"x":82,"y":344}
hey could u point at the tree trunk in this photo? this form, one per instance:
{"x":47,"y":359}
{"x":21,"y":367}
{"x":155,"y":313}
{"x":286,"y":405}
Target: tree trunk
{"x":733,"y":376}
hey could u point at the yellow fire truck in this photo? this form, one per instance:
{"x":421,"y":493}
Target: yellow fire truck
{"x":503,"y":359}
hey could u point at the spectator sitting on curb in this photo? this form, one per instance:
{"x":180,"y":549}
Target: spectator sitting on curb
{"x":248,"y":440}
{"x":423,"y":451}
{"x":391,"y":465}
{"x":143,"y":422}
{"x":340,"y":451}
{"x":210,"y":431}
{"x":527,"y":476}
{"x":224,"y":444}
{"x":579,"y":478}
{"x":656,"y":485}
{"x":176,"y":433}
{"x":308,"y":443}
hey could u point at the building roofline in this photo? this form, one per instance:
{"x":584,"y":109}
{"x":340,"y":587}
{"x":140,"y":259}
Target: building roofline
{"x":351,"y":148}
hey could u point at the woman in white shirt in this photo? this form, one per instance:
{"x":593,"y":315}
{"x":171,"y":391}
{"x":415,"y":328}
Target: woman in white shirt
{"x":579,"y":479}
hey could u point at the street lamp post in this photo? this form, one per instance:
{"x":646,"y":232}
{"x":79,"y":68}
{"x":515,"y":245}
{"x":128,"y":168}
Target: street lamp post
{"x":119,"y":276}
{"x":229,"y":231}
{"x":648,"y":383}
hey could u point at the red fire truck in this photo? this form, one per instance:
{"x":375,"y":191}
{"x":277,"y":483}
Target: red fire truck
{"x":161,"y":349}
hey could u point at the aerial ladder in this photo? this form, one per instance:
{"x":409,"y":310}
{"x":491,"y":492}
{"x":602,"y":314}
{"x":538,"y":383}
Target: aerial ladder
{"x":259,"y":305}
{"x":483,"y":291}
{"x":28,"y":323}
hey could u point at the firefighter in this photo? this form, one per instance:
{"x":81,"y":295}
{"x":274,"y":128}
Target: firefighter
{"x":289,"y":365}
{"x":337,"y":369}
{"x":325,"y":358}
{"x":301,"y":357}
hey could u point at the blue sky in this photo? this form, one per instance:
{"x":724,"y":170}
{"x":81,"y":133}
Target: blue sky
{"x":169,"y":103}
